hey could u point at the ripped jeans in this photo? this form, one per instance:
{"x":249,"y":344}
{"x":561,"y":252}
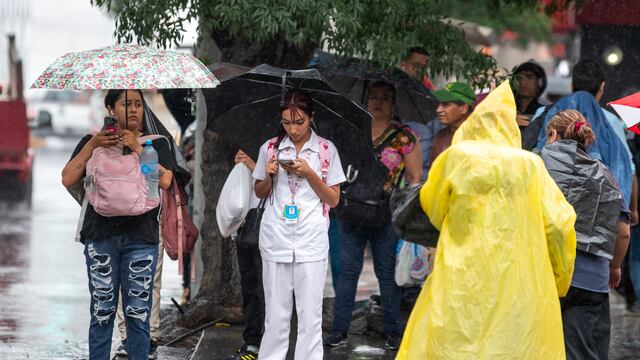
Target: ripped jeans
{"x":113,"y":263}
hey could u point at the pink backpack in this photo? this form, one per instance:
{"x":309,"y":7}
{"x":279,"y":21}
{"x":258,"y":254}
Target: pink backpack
{"x":323,"y":145}
{"x":115,"y":185}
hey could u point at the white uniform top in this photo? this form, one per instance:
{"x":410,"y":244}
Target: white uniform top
{"x":308,"y":240}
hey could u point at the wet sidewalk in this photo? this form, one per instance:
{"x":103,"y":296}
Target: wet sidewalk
{"x":222,"y":342}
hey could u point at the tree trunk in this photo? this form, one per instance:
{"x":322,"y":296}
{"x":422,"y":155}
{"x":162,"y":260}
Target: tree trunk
{"x":218,"y":295}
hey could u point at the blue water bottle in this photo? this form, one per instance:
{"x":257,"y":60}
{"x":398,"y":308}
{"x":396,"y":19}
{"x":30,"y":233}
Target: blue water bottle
{"x":149,"y":167}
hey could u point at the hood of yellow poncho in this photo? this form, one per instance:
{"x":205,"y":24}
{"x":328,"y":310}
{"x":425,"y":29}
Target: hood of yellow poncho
{"x":493,"y":121}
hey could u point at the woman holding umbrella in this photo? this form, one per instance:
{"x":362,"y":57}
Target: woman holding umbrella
{"x":299,"y":186}
{"x":121,"y":251}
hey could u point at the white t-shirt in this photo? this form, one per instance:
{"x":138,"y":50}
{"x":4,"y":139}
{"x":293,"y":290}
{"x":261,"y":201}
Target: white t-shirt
{"x":308,"y":239}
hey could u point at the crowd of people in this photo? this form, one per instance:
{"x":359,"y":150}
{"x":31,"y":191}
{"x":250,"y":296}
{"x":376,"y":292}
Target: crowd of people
{"x":534,"y":204}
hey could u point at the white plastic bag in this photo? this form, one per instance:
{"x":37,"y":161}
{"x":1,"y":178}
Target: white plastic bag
{"x":233,"y":204}
{"x":412,"y":264}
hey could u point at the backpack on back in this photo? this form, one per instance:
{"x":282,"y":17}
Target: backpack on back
{"x":114,"y":183}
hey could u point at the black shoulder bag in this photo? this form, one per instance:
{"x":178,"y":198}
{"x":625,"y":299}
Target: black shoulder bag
{"x":249,"y":232}
{"x":409,"y":220}
{"x":363,"y":200}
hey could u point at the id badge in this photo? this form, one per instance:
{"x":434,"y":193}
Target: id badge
{"x":291,"y":214}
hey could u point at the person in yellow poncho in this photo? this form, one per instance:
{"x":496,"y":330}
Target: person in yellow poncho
{"x":506,"y":249}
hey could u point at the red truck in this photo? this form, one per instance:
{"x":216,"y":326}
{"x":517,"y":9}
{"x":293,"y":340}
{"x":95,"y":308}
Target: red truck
{"x":16,"y":156}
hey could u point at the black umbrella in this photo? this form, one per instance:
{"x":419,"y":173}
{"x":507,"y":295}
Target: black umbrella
{"x":246,"y":111}
{"x":414,"y":102}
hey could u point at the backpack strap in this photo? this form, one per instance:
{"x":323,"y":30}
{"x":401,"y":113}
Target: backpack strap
{"x":377,"y":149}
{"x":83,"y":211}
{"x":271,"y":149}
{"x":181,"y":235}
{"x":143,"y":139}
{"x":323,"y":146}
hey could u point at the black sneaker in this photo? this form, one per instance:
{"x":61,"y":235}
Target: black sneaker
{"x":336,"y":339}
{"x":122,"y":349}
{"x":153,"y":350}
{"x":244,"y":355}
{"x":393,"y":342}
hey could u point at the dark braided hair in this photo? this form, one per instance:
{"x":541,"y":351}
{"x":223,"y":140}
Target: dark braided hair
{"x":296,"y":101}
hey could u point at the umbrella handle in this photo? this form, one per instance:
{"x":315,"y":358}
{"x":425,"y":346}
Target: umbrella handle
{"x":126,"y":150}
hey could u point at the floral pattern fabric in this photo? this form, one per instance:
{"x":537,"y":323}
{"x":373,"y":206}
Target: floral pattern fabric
{"x":126,"y":67}
{"x":392,"y":156}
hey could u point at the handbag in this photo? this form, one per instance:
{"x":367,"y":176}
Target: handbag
{"x":363,"y":200}
{"x":409,"y":220}
{"x":178,"y":230}
{"x":249,"y":232}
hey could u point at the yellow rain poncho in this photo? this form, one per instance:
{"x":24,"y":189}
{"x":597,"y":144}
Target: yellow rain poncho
{"x":506,"y":249}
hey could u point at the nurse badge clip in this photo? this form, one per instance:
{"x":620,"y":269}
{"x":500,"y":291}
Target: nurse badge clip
{"x":291,"y":211}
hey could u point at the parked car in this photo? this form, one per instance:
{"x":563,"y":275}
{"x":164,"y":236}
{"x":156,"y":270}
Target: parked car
{"x":65,"y":112}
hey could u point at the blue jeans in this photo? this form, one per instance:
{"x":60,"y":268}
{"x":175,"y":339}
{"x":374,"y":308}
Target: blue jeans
{"x":634,"y":260}
{"x":113,"y":263}
{"x":334,"y":249}
{"x":383,"y":242}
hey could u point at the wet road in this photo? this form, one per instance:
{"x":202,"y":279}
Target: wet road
{"x":44,"y":300}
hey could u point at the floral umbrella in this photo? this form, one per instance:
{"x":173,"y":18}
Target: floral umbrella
{"x":126,"y":66}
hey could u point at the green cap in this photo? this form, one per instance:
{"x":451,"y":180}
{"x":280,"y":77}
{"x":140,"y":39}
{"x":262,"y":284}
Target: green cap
{"x":456,"y":91}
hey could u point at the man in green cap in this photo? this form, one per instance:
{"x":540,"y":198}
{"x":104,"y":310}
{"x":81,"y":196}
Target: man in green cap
{"x":456,"y":104}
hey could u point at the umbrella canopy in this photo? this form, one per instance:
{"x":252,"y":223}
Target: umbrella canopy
{"x":246,"y":110}
{"x":126,"y":66}
{"x":629,"y":110}
{"x":224,"y":71}
{"x":414,"y":102}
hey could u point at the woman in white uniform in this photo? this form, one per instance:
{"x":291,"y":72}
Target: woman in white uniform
{"x":294,"y":241}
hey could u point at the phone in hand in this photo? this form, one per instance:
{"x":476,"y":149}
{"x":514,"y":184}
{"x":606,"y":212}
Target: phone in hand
{"x":111,"y":123}
{"x":285,"y":159}
{"x":286,"y":162}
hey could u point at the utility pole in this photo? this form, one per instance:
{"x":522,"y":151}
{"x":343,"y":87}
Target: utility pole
{"x":16,"y":87}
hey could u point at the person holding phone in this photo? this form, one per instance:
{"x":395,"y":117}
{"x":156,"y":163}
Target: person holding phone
{"x":121,"y":252}
{"x":294,"y":241}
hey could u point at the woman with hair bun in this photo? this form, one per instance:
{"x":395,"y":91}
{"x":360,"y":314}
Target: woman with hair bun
{"x":602,"y":229}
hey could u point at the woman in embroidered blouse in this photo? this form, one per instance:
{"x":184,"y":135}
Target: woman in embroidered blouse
{"x":402,"y":157}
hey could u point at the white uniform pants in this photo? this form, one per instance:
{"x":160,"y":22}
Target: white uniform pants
{"x":282,"y":282}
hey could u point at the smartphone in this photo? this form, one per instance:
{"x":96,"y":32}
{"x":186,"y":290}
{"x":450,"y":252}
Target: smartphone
{"x":286,"y":162}
{"x":111,"y":123}
{"x":285,"y":159}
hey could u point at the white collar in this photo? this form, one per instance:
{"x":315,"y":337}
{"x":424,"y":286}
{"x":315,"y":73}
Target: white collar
{"x":311,"y":144}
